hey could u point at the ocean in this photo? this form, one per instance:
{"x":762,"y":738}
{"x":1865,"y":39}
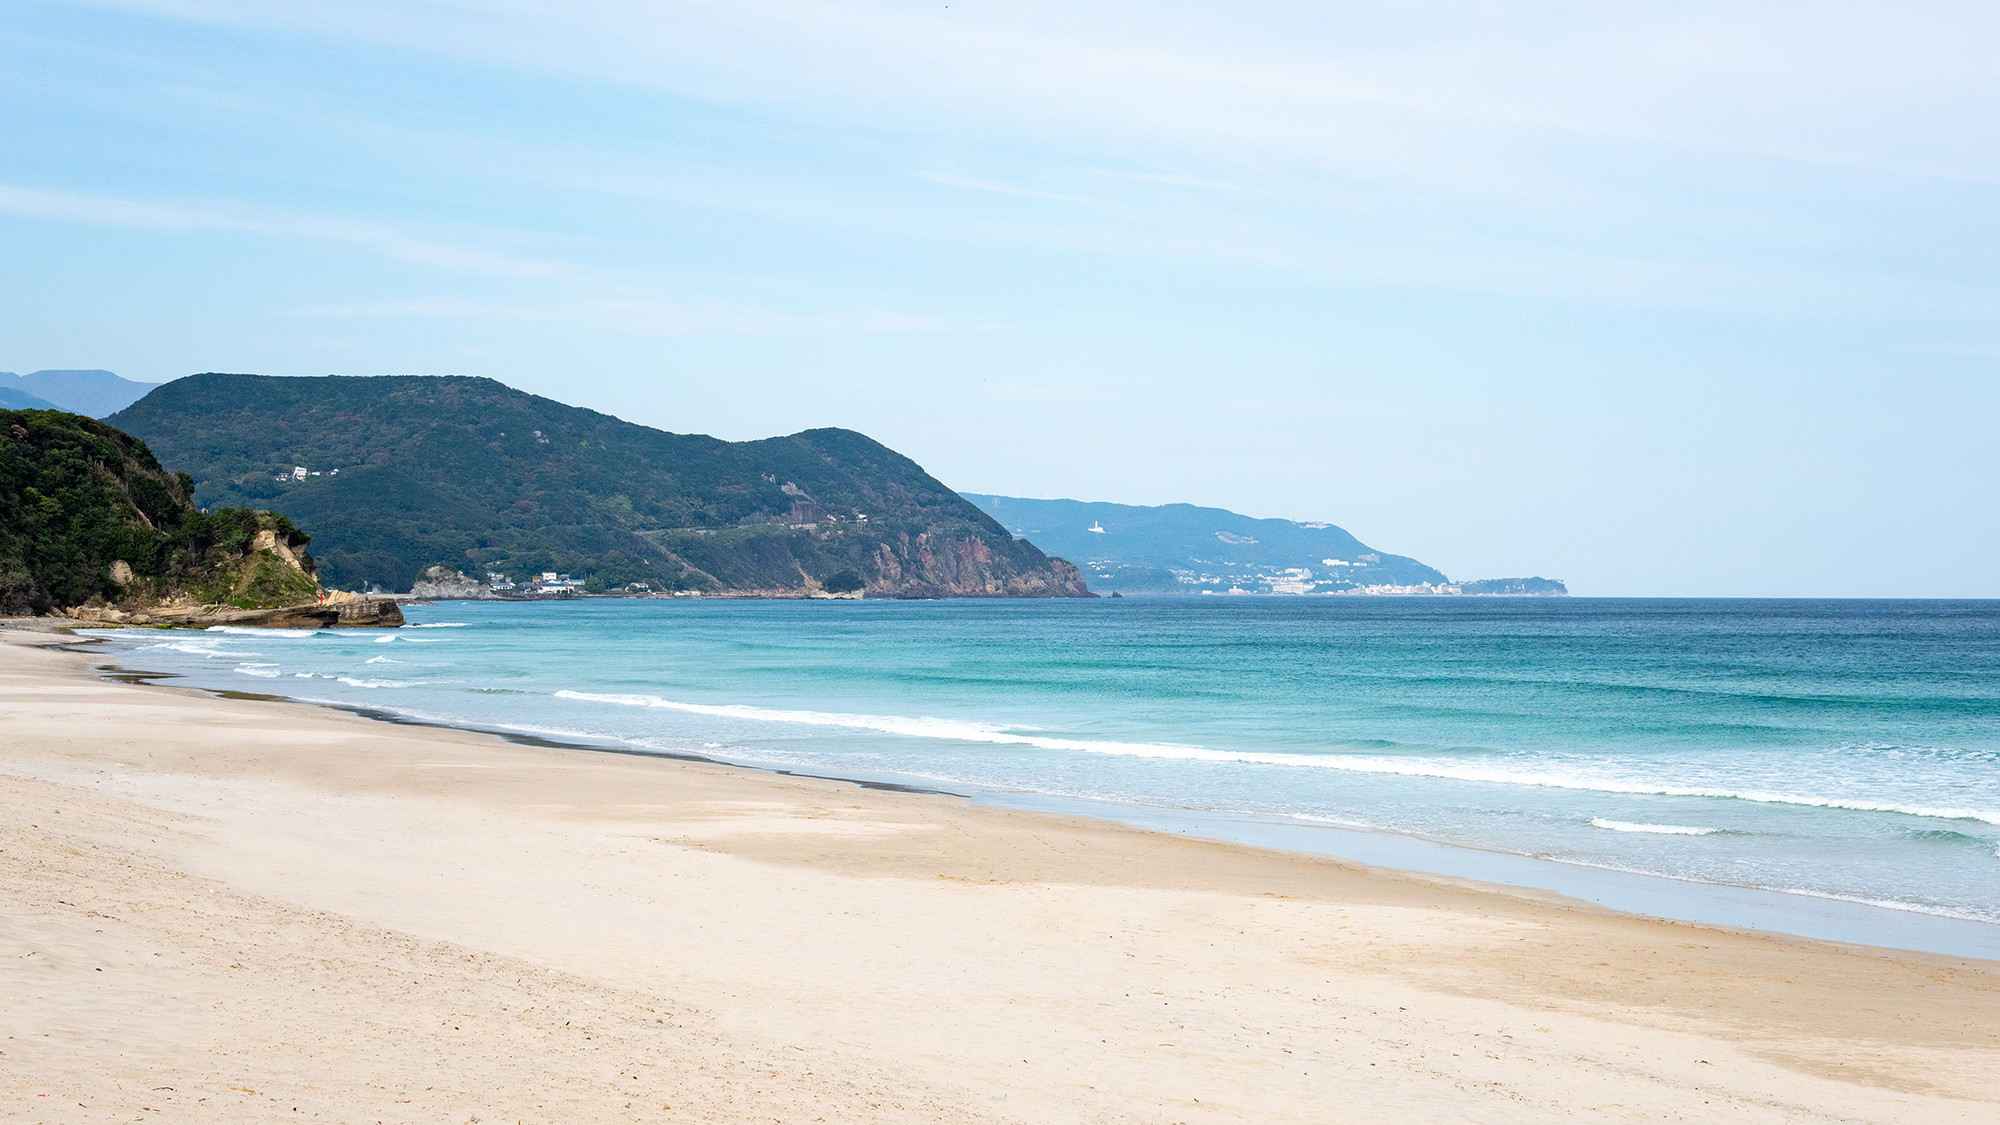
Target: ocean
{"x":1827,"y":759}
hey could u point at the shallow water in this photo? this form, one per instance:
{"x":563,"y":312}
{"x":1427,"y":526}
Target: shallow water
{"x":1845,"y":750}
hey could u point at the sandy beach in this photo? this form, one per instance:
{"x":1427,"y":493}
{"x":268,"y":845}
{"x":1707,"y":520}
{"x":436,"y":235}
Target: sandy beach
{"x":244,"y":910}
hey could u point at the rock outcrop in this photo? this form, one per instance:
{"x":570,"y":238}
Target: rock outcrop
{"x":930,"y":566}
{"x":444,"y":583}
{"x":353,"y":613}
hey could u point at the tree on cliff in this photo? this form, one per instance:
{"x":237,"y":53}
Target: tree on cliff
{"x":87,"y":513}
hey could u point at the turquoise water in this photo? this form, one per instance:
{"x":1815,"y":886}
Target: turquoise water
{"x":1845,"y":750}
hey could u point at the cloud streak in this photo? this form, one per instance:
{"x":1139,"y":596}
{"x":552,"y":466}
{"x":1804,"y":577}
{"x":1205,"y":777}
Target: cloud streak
{"x":632,"y":314}
{"x":381,"y":238}
{"x":651,"y":317}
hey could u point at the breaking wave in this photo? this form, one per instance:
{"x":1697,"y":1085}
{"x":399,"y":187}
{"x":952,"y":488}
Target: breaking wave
{"x":1403,"y":767}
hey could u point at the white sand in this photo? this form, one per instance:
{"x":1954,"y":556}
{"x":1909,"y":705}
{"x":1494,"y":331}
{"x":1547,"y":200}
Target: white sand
{"x":220,"y":910}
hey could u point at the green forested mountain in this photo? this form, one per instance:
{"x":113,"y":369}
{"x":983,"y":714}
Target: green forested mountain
{"x":406,"y":472}
{"x":87,"y":514}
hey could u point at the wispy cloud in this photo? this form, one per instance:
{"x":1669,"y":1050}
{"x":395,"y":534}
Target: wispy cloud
{"x":651,"y":317}
{"x":382,"y":238}
{"x":1176,"y":180}
{"x":634,"y":314}
{"x":948,"y":179}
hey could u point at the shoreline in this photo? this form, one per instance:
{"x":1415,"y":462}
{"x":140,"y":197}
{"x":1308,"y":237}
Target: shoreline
{"x":439,"y":921}
{"x":1800,"y":914}
{"x":1793,"y":913}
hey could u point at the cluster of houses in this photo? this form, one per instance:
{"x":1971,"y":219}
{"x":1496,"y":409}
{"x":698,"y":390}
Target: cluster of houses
{"x":1345,"y":578}
{"x":1440,"y":589}
{"x":299,"y":472}
{"x":547,"y":582}
{"x":550,"y":583}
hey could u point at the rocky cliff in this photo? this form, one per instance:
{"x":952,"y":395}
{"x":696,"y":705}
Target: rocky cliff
{"x":943,"y":567}
{"x":90,"y":525}
{"x":444,"y":582}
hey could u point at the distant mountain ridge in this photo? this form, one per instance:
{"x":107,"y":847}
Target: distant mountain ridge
{"x":1185,"y":549}
{"x":93,"y":393}
{"x":13,"y":398}
{"x":395,"y":474}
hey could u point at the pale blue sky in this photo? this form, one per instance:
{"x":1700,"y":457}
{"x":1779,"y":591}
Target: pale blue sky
{"x":1661,"y":299}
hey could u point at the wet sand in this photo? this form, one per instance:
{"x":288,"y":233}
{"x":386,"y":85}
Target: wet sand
{"x":233,"y":910}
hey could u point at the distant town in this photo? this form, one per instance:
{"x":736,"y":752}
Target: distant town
{"x":551,"y":584}
{"x":1187,"y":549}
{"x":1344,"y":579}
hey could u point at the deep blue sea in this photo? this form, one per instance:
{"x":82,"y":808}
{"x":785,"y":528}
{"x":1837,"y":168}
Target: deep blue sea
{"x":1838,"y":749}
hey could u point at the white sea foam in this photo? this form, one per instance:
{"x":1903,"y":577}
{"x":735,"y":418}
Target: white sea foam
{"x":267,"y":671}
{"x":353,"y":682}
{"x":1330,"y":820}
{"x":239,"y":631}
{"x":1658,"y":829}
{"x":381,"y":660}
{"x":896,"y":724}
{"x":1368,"y":764}
{"x":198,"y":648}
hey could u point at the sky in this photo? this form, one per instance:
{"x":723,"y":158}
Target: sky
{"x":1691,"y":299}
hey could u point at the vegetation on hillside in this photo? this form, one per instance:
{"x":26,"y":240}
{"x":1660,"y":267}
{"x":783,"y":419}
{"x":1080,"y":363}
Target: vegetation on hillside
{"x":78,"y":497}
{"x":1517,"y":587}
{"x":407,"y":472}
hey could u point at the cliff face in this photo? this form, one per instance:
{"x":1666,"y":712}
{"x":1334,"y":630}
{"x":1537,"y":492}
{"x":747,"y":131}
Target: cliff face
{"x":90,"y":524}
{"x":444,"y":582}
{"x":882,"y":562}
{"x":399,"y":474}
{"x":942,"y":567}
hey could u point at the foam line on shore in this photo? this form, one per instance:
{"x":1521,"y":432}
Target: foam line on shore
{"x":972,"y":732}
{"x":1657,"y":829}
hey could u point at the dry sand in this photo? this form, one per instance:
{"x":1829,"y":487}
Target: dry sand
{"x":234,"y":910}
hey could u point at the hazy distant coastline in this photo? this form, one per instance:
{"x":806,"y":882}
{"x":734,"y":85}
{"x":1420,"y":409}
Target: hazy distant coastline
{"x":1186,"y":549}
